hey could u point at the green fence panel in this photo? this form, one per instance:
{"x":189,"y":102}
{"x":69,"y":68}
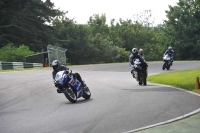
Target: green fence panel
{"x":7,"y":65}
{"x":18,"y":65}
{"x":28,"y":65}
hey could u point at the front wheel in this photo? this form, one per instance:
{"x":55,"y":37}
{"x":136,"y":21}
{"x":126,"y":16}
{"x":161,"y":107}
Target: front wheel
{"x":164,"y":66}
{"x":86,"y":92}
{"x":69,"y":94}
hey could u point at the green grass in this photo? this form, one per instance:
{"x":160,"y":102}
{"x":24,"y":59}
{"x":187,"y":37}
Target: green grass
{"x":185,"y":79}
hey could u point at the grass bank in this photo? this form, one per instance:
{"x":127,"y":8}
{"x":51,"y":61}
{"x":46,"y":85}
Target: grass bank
{"x":185,"y":79}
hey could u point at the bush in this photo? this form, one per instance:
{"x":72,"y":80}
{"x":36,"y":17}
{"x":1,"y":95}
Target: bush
{"x":11,"y":53}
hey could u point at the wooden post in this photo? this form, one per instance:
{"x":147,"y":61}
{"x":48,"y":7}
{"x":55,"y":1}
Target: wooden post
{"x":197,"y":83}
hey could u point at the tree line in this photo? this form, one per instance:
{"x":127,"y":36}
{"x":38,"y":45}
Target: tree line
{"x":29,"y":26}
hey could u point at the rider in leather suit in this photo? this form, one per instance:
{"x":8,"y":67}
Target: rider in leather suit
{"x":170,"y":52}
{"x":58,"y":67}
{"x":134,"y":55}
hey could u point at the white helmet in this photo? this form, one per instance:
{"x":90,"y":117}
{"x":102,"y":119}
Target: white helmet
{"x":134,"y":51}
{"x":169,"y":48}
{"x":56,"y":65}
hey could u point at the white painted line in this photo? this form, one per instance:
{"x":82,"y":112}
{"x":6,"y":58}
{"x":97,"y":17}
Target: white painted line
{"x":165,"y":122}
{"x":171,"y":120}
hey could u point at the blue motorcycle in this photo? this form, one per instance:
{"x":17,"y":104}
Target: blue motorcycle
{"x":71,"y":87}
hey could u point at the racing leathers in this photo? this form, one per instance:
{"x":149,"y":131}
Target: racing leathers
{"x":170,"y":53}
{"x":61,"y":68}
{"x":131,"y":62}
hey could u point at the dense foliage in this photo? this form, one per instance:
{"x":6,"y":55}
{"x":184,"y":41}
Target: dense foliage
{"x":183,"y":29}
{"x":14,"y":54}
{"x":36,"y":24}
{"x":24,"y":22}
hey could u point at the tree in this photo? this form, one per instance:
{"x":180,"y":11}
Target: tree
{"x":24,"y":22}
{"x":74,"y":37}
{"x":98,"y":24}
{"x":183,"y":29}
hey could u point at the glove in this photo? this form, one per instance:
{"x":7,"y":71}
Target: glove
{"x":56,"y":85}
{"x":68,"y":71}
{"x":132,"y":66}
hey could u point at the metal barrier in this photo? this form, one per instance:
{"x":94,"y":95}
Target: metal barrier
{"x":18,"y":65}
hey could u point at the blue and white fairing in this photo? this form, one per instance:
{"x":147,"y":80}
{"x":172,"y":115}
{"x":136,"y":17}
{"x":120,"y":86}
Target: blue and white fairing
{"x":166,"y":57}
{"x":137,"y":64}
{"x":62,"y":78}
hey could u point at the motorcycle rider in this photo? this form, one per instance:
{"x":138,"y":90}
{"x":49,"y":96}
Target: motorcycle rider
{"x":58,"y":67}
{"x":170,"y":52}
{"x":134,"y":55}
{"x":141,"y":53}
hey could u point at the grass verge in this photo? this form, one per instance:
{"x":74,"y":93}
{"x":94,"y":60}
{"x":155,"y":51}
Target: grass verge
{"x":185,"y":79}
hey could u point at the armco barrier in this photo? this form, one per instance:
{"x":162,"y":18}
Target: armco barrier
{"x":6,"y":65}
{"x":18,"y":65}
{"x":28,"y":65}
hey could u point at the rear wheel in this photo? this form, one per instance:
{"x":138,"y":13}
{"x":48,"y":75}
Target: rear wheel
{"x":140,"y":77}
{"x":86,"y":92}
{"x":144,"y":78}
{"x":140,"y":83}
{"x":168,"y":67}
{"x":69,"y":94}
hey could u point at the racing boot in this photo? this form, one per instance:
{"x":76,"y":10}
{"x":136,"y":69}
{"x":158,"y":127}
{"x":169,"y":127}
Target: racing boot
{"x":132,"y":72}
{"x":59,"y":91}
{"x":82,"y":84}
{"x":58,"y":88}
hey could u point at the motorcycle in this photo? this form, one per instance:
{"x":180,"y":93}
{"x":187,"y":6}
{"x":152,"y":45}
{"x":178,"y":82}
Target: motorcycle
{"x":140,"y":72}
{"x":167,"y":62}
{"x":71,"y":86}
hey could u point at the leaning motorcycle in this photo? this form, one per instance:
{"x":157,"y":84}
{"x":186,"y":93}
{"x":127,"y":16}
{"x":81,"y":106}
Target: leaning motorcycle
{"x":71,"y":86}
{"x":140,"y":72}
{"x":167,"y":62}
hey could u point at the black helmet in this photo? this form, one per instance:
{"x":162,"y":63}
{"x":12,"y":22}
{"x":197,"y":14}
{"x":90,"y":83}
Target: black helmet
{"x":56,"y":65}
{"x":134,"y":51}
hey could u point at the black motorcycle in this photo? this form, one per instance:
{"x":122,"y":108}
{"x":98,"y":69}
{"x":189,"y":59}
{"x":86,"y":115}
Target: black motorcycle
{"x":140,"y":72}
{"x":167,"y":62}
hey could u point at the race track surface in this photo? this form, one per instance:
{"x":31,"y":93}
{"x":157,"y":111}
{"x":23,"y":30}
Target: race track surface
{"x":29,"y":102}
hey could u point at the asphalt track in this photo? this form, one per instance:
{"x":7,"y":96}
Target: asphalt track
{"x":29,"y":102}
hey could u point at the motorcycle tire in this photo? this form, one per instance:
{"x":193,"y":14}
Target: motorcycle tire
{"x":168,"y":67}
{"x":164,"y":66}
{"x":70,"y":95}
{"x":144,"y":79}
{"x":86,"y":93}
{"x":139,"y":78}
